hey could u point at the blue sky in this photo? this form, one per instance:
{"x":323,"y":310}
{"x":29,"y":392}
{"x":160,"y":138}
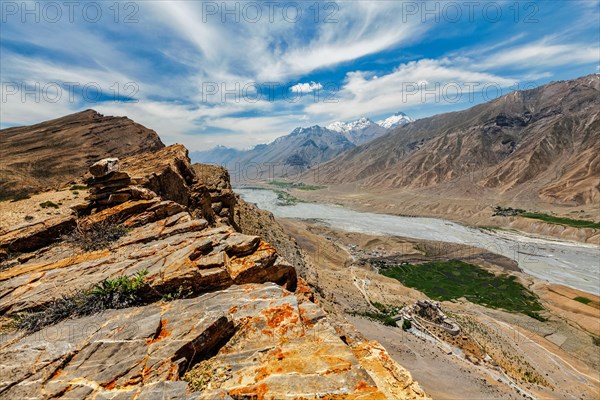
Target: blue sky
{"x":242,"y":73}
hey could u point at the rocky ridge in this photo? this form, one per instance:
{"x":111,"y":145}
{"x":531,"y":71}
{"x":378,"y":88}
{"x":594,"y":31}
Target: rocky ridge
{"x":50,"y":154}
{"x":222,"y":314}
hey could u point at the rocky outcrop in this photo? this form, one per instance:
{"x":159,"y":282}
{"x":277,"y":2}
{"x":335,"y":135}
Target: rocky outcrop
{"x":251,"y":341}
{"x":223,"y":199}
{"x":177,"y":251}
{"x":218,"y":316}
{"x":30,"y":237}
{"x":52,"y":153}
{"x":251,"y":220}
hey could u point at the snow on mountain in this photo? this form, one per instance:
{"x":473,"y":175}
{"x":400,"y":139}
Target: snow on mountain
{"x":337,"y":126}
{"x":343,"y":127}
{"x":397,"y":119}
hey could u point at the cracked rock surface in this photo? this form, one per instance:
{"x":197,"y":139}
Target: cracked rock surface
{"x":240,"y":331}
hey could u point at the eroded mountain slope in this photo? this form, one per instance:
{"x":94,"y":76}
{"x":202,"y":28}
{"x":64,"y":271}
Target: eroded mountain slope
{"x":542,"y":141}
{"x":53,"y":152}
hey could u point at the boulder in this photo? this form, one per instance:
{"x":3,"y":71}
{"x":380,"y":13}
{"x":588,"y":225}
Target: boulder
{"x":116,"y":198}
{"x":138,"y":192}
{"x":104,"y":167}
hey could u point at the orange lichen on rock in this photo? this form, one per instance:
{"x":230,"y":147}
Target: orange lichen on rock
{"x":163,"y":332}
{"x":303,"y":290}
{"x":253,"y":392}
{"x":364,"y":387}
{"x":390,"y":378}
{"x":277,"y":315}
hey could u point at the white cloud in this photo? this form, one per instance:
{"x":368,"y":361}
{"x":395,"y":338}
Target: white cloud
{"x":540,"y":55}
{"x":414,"y":83}
{"x":281,"y":50}
{"x":192,"y":52}
{"x":470,"y":74}
{"x":306,"y":87}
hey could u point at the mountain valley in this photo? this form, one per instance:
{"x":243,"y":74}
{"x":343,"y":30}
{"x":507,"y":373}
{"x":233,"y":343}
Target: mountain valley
{"x":127,"y":270}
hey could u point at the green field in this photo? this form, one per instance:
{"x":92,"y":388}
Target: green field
{"x":576,"y":223}
{"x":583,"y":300}
{"x":292,"y":185}
{"x":450,"y":280}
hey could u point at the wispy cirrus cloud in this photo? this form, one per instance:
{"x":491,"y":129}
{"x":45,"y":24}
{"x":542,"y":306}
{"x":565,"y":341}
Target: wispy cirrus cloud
{"x":413,"y":84}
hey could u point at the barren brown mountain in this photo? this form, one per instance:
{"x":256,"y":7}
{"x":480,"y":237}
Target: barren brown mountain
{"x":53,"y":152}
{"x":184,"y":290}
{"x":541,"y":143}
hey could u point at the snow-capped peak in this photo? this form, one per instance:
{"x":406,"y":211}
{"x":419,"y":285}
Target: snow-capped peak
{"x":343,"y":127}
{"x":397,"y":119}
{"x":337,"y":126}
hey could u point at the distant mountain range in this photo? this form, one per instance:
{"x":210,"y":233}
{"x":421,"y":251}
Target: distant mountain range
{"x":303,"y":147}
{"x":542,"y":143}
{"x":527,"y":145}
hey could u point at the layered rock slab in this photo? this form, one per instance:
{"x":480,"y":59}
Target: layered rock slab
{"x":257,"y":340}
{"x":177,"y":251}
{"x":267,"y":345}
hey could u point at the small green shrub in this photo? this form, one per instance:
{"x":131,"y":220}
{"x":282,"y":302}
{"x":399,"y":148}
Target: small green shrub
{"x":536,"y":315}
{"x":179,"y":294}
{"x":596,"y":340}
{"x":406,"y":324}
{"x":386,"y":309}
{"x":507,"y":211}
{"x":380,"y":317}
{"x":199,"y":376}
{"x":286,"y":199}
{"x":119,"y":292}
{"x":48,"y":204}
{"x":115,"y":293}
